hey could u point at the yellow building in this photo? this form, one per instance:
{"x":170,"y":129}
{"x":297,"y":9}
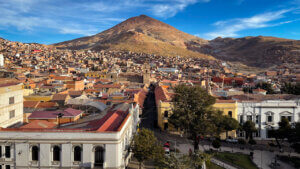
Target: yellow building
{"x":229,"y":107}
{"x":164,"y":107}
{"x":96,"y":74}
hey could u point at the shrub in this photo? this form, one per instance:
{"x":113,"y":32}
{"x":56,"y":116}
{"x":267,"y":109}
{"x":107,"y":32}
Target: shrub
{"x":216,"y":144}
{"x":241,"y":141}
{"x":252,"y":142}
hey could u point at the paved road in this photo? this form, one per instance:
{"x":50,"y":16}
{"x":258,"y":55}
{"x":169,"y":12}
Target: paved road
{"x":149,"y":115}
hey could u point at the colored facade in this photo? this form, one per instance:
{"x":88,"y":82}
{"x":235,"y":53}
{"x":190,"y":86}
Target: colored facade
{"x":230,"y":108}
{"x":11,"y":104}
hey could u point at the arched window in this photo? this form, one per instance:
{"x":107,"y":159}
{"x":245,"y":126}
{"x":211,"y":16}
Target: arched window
{"x":35,"y":153}
{"x":77,"y":153}
{"x":56,"y":153}
{"x":99,"y":156}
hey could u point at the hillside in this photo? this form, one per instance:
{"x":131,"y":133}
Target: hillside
{"x":255,"y":51}
{"x":140,"y":34}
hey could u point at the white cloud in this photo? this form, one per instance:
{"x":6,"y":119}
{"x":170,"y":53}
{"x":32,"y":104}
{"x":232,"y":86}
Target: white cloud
{"x":231,"y":28}
{"x":171,"y":7}
{"x":88,"y":16}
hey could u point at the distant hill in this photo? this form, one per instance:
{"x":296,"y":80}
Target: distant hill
{"x":140,"y":34}
{"x":257,"y":51}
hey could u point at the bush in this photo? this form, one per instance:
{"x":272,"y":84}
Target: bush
{"x":252,"y":142}
{"x":216,"y":144}
{"x":241,"y":141}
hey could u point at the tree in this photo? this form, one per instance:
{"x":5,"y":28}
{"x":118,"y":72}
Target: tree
{"x":249,"y":128}
{"x":193,"y":113}
{"x":193,"y":161}
{"x":290,"y":88}
{"x":283,"y":132}
{"x":145,"y":146}
{"x":266,"y":86}
{"x":216,"y":143}
{"x":229,"y":124}
{"x":294,"y":137}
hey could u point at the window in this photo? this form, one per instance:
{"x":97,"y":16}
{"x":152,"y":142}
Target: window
{"x":77,"y":153}
{"x":11,"y":100}
{"x":257,"y":119}
{"x":289,"y":118}
{"x":7,"y":167}
{"x":56,"y":153}
{"x":241,"y":119}
{"x":7,"y":151}
{"x":35,"y":153}
{"x":249,"y":117}
{"x":0,"y":152}
{"x":166,"y":114}
{"x":11,"y":114}
{"x":269,"y":118}
{"x":230,"y":113}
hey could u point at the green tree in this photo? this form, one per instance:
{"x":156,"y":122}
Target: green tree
{"x":290,"y":88}
{"x":266,"y":86}
{"x":145,"y":146}
{"x":193,"y":161}
{"x":193,"y":113}
{"x":229,"y":124}
{"x":294,"y":137}
{"x":249,"y":128}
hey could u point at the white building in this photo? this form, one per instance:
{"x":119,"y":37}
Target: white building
{"x":1,"y":60}
{"x":267,"y":114}
{"x":93,"y":142}
{"x":11,"y":103}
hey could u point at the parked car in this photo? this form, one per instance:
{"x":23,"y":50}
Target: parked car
{"x":230,"y":140}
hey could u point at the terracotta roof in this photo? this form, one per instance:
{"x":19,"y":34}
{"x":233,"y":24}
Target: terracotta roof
{"x":36,"y":124}
{"x":107,"y":86}
{"x":30,"y":104}
{"x":59,"y":97}
{"x":161,"y":94}
{"x":53,"y":114}
{"x":225,"y":101}
{"x":47,"y":105}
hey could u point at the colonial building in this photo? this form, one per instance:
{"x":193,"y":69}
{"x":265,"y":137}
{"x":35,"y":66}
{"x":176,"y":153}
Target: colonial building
{"x":267,"y":114}
{"x":95,"y":141}
{"x":11,"y":103}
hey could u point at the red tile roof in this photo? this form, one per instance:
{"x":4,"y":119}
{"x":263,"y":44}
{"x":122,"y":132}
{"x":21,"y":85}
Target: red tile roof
{"x":37,"y":124}
{"x":59,"y":97}
{"x":47,"y":105}
{"x":30,"y":104}
{"x":53,"y":114}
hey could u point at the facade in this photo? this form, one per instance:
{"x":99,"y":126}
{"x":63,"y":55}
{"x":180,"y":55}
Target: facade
{"x":267,"y":114}
{"x":101,"y":142}
{"x":11,"y":104}
{"x":164,"y":107}
{"x":228,"y":107}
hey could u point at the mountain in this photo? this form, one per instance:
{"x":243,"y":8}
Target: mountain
{"x":140,"y":34}
{"x":143,"y":34}
{"x":260,"y":51}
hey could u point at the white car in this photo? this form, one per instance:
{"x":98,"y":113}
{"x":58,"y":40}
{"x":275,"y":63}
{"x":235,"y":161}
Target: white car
{"x":229,"y":140}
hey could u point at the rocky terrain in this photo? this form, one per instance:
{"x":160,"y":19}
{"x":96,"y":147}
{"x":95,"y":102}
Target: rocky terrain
{"x":257,"y":51}
{"x":140,"y":34}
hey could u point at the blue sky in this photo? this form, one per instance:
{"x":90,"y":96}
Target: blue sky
{"x":51,"y":21}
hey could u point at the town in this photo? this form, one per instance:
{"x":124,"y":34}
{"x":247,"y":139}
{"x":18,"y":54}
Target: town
{"x":71,"y":109}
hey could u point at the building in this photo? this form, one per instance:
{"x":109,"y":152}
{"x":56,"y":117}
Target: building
{"x":267,"y":114}
{"x":11,"y":103}
{"x":1,"y":60}
{"x":164,"y":107}
{"x":228,"y":107}
{"x":95,"y":141}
